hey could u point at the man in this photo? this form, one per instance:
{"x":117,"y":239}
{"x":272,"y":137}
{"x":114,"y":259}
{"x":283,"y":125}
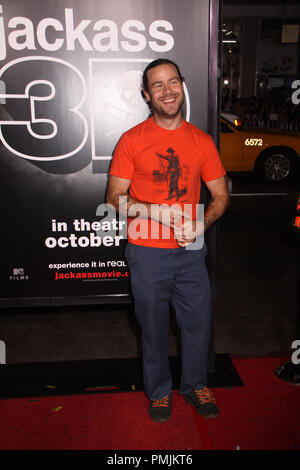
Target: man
{"x":166,"y":261}
{"x":174,"y":171}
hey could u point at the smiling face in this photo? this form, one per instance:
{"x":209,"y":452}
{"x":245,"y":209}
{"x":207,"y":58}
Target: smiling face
{"x":165,"y":92}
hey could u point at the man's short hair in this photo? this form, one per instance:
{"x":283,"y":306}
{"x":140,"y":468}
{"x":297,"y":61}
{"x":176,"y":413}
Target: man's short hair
{"x":156,"y":63}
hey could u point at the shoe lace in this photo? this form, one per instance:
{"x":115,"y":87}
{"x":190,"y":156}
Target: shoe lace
{"x":163,"y":402}
{"x":204,"y":396}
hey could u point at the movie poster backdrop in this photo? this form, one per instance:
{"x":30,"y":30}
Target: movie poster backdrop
{"x":70,"y":75}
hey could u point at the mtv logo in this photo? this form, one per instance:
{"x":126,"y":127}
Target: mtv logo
{"x":18,"y":271}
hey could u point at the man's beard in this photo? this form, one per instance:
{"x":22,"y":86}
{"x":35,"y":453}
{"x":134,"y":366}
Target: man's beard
{"x":160,"y":111}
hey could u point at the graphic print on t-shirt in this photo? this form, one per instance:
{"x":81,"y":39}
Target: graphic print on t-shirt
{"x":170,"y":173}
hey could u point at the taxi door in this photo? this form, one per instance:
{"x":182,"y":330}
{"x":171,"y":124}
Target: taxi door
{"x":231,"y":147}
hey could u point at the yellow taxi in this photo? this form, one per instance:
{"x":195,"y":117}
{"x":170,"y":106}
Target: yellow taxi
{"x":274,"y":155}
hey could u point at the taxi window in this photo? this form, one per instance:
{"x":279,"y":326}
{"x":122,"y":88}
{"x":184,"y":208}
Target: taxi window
{"x":225,"y":128}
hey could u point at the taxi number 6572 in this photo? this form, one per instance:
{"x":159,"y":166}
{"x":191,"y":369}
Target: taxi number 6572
{"x":254,"y":142}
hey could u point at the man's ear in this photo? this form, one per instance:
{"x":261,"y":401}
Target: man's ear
{"x":145,"y":95}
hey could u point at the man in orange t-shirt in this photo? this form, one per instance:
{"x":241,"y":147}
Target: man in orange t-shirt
{"x":161,"y":162}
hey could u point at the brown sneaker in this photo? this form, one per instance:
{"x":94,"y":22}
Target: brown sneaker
{"x":204,"y":401}
{"x":160,"y":410}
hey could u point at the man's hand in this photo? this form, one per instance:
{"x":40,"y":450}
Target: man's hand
{"x":168,"y":215}
{"x":187,"y":232}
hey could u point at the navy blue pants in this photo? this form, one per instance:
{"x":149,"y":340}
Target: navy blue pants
{"x":160,"y":276}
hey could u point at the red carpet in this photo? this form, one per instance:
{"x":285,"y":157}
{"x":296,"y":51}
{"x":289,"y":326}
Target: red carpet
{"x":263,"y":414}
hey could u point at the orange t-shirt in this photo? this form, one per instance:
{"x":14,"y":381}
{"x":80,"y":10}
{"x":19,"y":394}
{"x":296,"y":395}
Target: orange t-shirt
{"x":164,"y":167}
